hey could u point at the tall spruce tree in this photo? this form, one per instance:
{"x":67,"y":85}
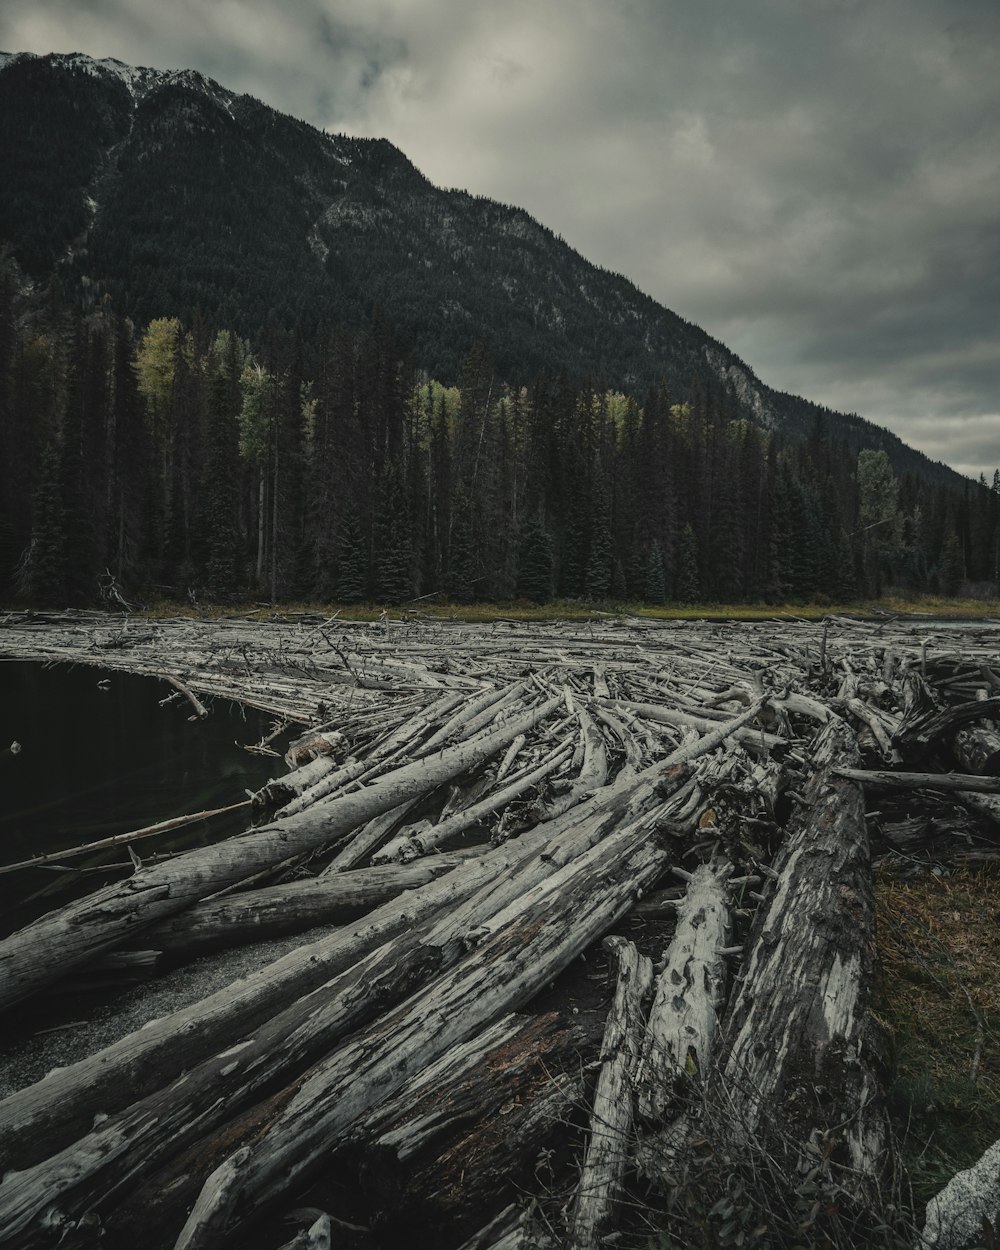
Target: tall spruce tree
{"x":688,"y":578}
{"x":536,"y":562}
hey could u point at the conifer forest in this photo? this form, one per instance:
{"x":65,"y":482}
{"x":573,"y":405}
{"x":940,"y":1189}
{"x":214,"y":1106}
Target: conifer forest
{"x":182,"y":461}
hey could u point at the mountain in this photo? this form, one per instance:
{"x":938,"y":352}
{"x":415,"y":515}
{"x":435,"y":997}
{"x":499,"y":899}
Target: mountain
{"x":174,"y":196}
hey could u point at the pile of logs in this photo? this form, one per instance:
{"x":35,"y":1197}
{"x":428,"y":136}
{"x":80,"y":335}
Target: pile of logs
{"x":466,"y":812}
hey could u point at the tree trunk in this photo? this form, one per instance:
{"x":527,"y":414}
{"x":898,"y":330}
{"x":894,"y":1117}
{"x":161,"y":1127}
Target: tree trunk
{"x":253,"y":915}
{"x":610,"y":1143}
{"x":520,"y":950}
{"x":798,"y":1055}
{"x":56,"y":943}
{"x":469,"y":1130}
{"x":42,"y":1118}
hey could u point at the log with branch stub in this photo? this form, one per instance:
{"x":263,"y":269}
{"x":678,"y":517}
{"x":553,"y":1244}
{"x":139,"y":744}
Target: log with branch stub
{"x":609,"y":1145}
{"x":52,"y":946}
{"x":520,"y":949}
{"x":470,"y":1127}
{"x":252,"y":915}
{"x":388,"y":1046}
{"x":798,"y":1054}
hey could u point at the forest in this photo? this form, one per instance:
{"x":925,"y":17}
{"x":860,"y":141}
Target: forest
{"x":180,"y":461}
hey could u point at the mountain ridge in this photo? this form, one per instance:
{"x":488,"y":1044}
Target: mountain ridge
{"x":172,"y":194}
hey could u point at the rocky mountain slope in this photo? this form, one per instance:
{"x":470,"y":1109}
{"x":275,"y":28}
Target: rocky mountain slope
{"x":174,"y":196}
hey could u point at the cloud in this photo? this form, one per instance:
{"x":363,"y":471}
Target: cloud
{"x":813,"y":181}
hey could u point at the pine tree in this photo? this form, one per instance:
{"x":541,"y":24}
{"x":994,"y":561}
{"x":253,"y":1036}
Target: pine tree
{"x":654,"y":581}
{"x":952,"y":564}
{"x":460,"y":579}
{"x":351,"y":578}
{"x":687,"y":580}
{"x":43,"y":573}
{"x":598,"y":584}
{"x":535,"y":562}
{"x":619,"y":587}
{"x":393,"y":556}
{"x":221,"y":489}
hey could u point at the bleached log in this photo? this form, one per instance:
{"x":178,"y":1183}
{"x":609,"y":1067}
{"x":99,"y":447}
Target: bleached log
{"x":376,"y":761}
{"x":281,"y":790}
{"x":876,"y":780}
{"x":512,"y":1229}
{"x":680,"y":1031}
{"x":318,"y":1236}
{"x":967,"y":1210}
{"x":473,"y":714}
{"x":609,"y":1146}
{"x":121,"y":839}
{"x":369,"y":838}
{"x":253,"y":915}
{"x":513,"y":751}
{"x":630,"y":745}
{"x":410,"y":844}
{"x":752,"y":739}
{"x":799,"y":1019}
{"x":469,"y":1128}
{"x":922,"y":728}
{"x":978,"y":750}
{"x":42,"y":1118}
{"x":593,"y":771}
{"x":94,"y":1171}
{"x":520,"y":950}
{"x":200,"y":710}
{"x":126,"y":1145}
{"x":64,"y":939}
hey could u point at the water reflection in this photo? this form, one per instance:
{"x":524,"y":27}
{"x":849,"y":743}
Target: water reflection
{"x":99,"y":756}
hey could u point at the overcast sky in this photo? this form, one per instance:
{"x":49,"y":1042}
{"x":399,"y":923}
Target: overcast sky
{"x":815,"y":182}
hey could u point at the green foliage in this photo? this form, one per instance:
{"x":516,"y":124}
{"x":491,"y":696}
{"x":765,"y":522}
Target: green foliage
{"x":43,"y":574}
{"x":688,"y":580}
{"x":351,"y":562}
{"x":184,"y":461}
{"x":536,"y":563}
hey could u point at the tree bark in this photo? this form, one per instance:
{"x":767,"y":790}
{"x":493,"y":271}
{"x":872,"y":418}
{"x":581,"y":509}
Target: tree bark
{"x":609,"y":1147}
{"x":56,"y":943}
{"x":42,"y":1118}
{"x":680,"y":1031}
{"x":521,"y":949}
{"x":798,"y":1054}
{"x":254,"y":915}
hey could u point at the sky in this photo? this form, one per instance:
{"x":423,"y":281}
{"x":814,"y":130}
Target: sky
{"x":816,"y":183}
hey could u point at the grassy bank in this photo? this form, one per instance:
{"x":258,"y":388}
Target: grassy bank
{"x":577,"y":610}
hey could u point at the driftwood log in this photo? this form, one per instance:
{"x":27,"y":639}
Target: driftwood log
{"x":594,"y":757}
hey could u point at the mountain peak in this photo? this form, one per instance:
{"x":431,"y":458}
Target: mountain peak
{"x":252,"y":218}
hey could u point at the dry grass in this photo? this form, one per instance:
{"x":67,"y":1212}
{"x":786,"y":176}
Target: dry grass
{"x":578,"y":610}
{"x":939,"y":997}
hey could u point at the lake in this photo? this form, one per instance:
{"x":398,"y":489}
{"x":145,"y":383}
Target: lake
{"x":101,"y":756}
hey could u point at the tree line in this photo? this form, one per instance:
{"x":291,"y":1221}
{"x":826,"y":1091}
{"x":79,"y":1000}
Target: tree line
{"x":180,"y":460}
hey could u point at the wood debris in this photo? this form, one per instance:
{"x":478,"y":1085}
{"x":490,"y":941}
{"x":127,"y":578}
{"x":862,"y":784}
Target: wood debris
{"x":475,"y":806}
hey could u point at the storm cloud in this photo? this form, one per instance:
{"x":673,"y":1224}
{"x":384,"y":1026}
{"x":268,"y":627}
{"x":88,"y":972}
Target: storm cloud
{"x":815,"y":182}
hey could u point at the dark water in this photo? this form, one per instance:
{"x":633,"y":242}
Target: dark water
{"x":100,"y":756}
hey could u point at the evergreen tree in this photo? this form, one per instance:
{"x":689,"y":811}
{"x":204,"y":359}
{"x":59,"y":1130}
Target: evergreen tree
{"x":598,"y":583}
{"x":536,"y":562}
{"x":460,"y":579}
{"x":43,"y":572}
{"x":352,"y":574}
{"x":393,"y":547}
{"x":655,"y":584}
{"x":221,"y":487}
{"x":619,"y":587}
{"x":952,"y":564}
{"x":687,"y":580}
